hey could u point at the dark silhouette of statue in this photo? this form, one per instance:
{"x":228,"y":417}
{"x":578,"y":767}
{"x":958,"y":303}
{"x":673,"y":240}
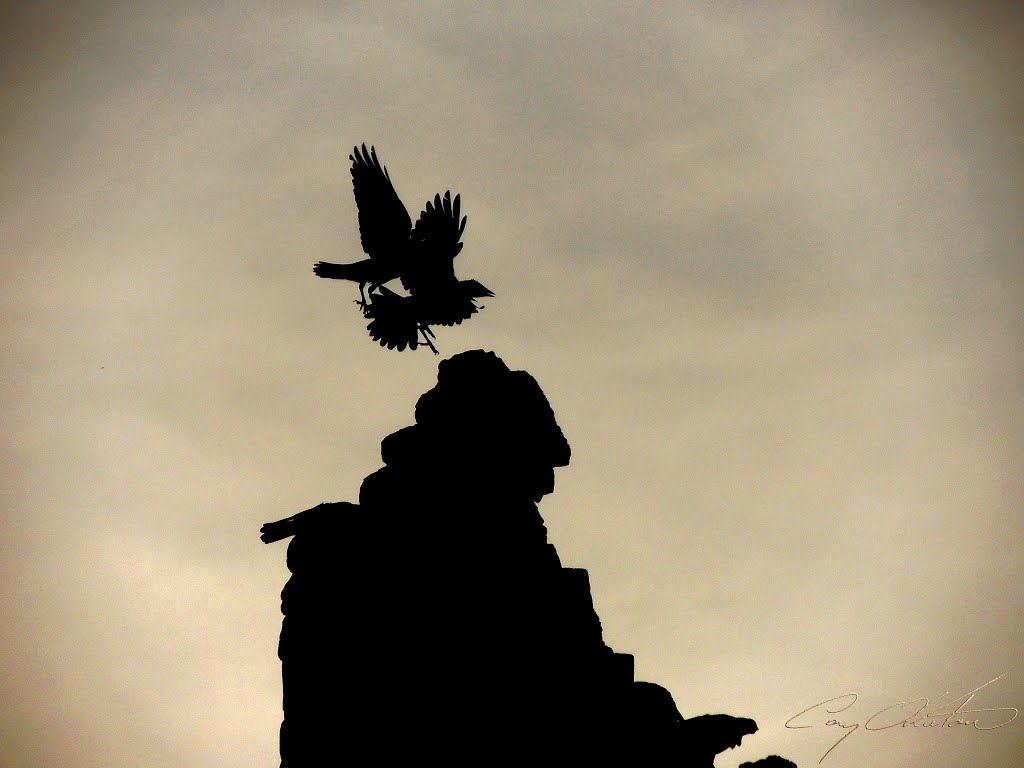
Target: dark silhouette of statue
{"x":421,"y":257}
{"x":433,"y":620}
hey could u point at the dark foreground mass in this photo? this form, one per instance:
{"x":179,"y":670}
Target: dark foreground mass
{"x":433,"y":619}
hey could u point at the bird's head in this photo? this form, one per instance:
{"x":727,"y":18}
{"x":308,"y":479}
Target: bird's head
{"x":474,"y":289}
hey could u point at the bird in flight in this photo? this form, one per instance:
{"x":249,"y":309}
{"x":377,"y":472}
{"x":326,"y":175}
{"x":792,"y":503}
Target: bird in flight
{"x":422,"y":257}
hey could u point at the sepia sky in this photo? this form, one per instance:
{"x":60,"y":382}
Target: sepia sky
{"x":765,"y":261}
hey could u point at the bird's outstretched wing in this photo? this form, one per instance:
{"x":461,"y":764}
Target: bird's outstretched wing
{"x":384,"y":223}
{"x":436,"y":239}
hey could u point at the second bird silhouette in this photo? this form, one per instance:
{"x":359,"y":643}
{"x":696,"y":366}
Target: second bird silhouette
{"x":421,"y":257}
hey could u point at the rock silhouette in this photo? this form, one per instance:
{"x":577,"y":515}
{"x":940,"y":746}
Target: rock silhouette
{"x":434,"y":618}
{"x":774,"y":761}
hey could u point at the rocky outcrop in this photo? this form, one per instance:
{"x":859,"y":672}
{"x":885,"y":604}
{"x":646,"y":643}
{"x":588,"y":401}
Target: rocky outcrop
{"x":773,"y":761}
{"x":434,"y":618}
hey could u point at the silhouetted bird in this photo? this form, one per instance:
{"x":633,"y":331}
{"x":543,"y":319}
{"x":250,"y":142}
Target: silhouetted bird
{"x":421,"y":256}
{"x":384,"y":226}
{"x":397,"y":321}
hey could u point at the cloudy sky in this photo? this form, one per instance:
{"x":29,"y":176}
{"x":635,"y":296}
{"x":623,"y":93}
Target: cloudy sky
{"x":764,"y":259}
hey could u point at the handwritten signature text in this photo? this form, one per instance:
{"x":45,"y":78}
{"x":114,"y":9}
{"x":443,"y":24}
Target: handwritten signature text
{"x":915,"y":713}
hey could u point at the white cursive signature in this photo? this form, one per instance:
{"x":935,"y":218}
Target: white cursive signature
{"x":915,"y":713}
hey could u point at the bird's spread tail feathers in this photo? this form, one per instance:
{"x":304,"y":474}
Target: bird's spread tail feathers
{"x":394,"y":323}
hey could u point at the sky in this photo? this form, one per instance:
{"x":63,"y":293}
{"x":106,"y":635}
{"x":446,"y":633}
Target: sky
{"x":763,"y":259}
